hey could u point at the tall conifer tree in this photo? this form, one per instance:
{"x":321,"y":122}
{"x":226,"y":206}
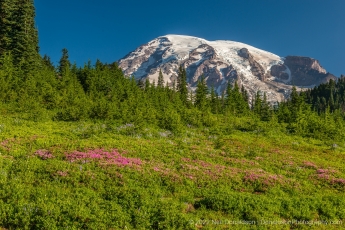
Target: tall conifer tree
{"x":265,"y":112}
{"x":201,"y":94}
{"x":6,"y":25}
{"x":229,"y":100}
{"x":215,"y":102}
{"x":147,"y":84}
{"x":18,"y":34}
{"x":182,"y":84}
{"x":64,"y":62}
{"x":257,"y":103}
{"x":160,"y":80}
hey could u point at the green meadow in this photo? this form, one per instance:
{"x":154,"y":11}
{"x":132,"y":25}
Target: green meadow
{"x":102,"y":175}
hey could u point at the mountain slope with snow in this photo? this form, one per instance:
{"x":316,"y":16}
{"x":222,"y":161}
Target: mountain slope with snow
{"x":220,"y":62}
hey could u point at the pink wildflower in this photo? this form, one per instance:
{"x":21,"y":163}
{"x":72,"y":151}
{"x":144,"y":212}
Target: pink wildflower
{"x":44,"y":154}
{"x":321,"y":171}
{"x":339,"y":181}
{"x":252,"y":177}
{"x":113,"y":157}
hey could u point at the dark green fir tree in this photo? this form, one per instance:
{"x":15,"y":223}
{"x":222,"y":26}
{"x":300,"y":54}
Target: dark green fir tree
{"x":182,"y":85}
{"x":160,"y":80}
{"x":201,"y":94}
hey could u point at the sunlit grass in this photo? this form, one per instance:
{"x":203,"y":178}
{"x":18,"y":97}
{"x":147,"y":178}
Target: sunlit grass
{"x":100,"y":176}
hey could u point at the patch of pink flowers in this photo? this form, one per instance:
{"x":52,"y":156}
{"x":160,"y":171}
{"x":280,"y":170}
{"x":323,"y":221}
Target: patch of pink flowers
{"x":323,"y":176}
{"x":112,"y":157}
{"x":326,"y":174}
{"x":321,"y":171}
{"x":44,"y":154}
{"x":262,"y":177}
{"x":309,"y":164}
{"x":252,"y":177}
{"x":339,"y":181}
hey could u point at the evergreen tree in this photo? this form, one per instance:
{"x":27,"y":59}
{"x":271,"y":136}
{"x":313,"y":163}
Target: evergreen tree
{"x":215,"y":102}
{"x":244,"y":94}
{"x":229,"y":100}
{"x":174,"y":86}
{"x":323,"y":104}
{"x":64,"y":62}
{"x":18,"y":34}
{"x":7,"y":8}
{"x":147,"y":84}
{"x":295,"y":103}
{"x":8,"y":81}
{"x":257,"y":103}
{"x":160,"y":80}
{"x":191,"y":99}
{"x":235,"y":102}
{"x":182,"y":84}
{"x":222,"y":101}
{"x":241,"y":105}
{"x":141,"y":83}
{"x":318,"y":105}
{"x":331,"y":102}
{"x":48,"y":63}
{"x":265,"y":113}
{"x":201,"y":94}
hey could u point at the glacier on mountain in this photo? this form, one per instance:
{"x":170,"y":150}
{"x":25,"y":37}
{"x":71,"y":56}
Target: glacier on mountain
{"x":219,"y":62}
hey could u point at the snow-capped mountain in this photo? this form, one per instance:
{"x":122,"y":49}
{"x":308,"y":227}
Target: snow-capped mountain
{"x":223,"y":61}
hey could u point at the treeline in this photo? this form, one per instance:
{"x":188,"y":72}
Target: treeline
{"x":34,"y":88}
{"x":327,"y":96}
{"x":101,"y":92}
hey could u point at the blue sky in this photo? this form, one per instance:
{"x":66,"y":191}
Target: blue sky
{"x":109,"y":29}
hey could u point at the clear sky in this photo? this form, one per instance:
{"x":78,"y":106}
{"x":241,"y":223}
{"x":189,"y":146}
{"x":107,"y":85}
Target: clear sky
{"x":109,"y":29}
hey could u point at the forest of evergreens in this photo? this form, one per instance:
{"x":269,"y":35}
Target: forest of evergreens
{"x":101,"y":92}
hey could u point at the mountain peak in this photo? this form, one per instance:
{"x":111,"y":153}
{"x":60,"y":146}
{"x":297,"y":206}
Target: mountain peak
{"x":221,"y":62}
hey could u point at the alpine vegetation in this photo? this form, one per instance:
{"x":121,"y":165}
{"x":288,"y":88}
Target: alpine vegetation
{"x":93,"y":148}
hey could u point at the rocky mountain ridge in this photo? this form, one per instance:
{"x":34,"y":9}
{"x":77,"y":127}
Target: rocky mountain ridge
{"x":221,"y":62}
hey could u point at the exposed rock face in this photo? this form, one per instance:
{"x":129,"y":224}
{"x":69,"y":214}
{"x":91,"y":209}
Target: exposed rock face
{"x":203,"y":61}
{"x":150,"y":57}
{"x":221,"y":62}
{"x":256,"y":68}
{"x":303,"y":71}
{"x":304,"y":62}
{"x":279,"y":71}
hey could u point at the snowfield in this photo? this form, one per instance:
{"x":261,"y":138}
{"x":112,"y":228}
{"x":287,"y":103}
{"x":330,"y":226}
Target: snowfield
{"x":168,"y":52}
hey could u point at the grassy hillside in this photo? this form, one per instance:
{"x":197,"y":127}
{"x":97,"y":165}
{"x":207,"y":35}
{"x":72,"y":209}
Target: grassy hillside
{"x":89,"y":175}
{"x":90,"y":148}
